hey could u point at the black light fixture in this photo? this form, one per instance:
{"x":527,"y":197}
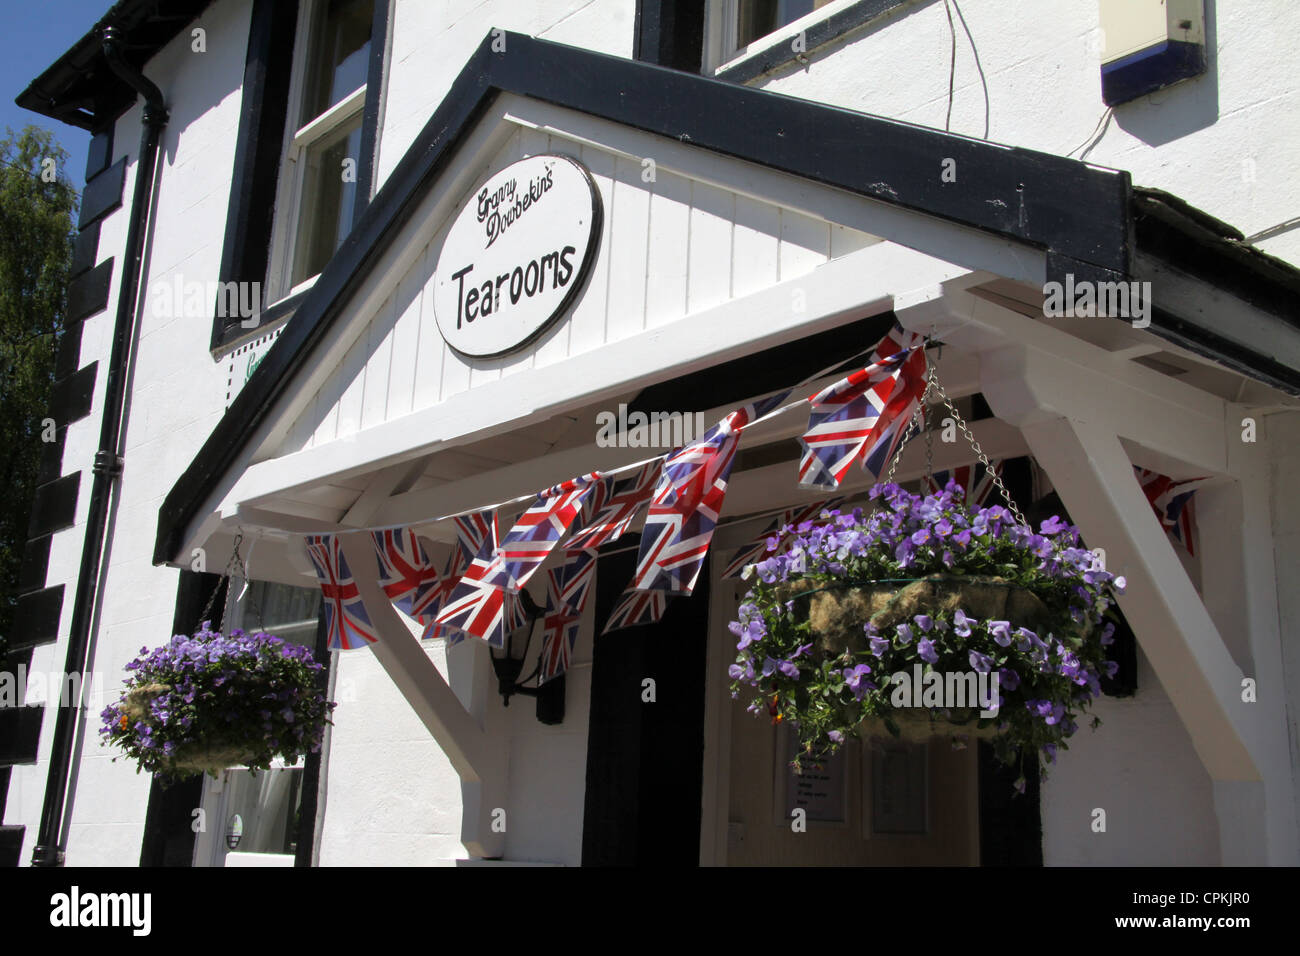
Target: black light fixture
{"x":510,"y":663}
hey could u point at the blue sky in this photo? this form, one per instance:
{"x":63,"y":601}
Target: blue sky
{"x":34,"y":36}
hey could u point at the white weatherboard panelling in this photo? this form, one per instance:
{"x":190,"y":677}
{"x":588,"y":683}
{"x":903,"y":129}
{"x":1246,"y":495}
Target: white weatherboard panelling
{"x":669,"y":247}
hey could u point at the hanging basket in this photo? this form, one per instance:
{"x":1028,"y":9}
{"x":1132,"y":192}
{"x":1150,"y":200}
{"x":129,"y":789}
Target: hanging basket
{"x":837,"y":630}
{"x":207,"y":703}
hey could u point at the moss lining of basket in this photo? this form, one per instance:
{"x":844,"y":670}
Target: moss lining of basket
{"x":837,"y":612}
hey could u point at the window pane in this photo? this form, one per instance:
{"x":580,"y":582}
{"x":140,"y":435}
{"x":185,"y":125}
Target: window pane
{"x":340,"y":51}
{"x":329,"y":190}
{"x":288,"y":612}
{"x":262,"y":811}
{"x":758,"y":18}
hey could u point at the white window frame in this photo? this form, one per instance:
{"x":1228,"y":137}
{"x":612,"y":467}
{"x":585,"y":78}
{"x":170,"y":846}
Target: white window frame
{"x":292,"y":166}
{"x":721,"y":47}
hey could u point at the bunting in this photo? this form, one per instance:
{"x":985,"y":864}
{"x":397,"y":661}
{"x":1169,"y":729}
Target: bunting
{"x":475,"y":606}
{"x":975,"y":479}
{"x":568,"y":587}
{"x":683,"y":514}
{"x":612,"y":505}
{"x":536,"y":533}
{"x":346,"y":621}
{"x":472,"y":531}
{"x":865,"y":414}
{"x":1173,"y":504}
{"x":406,"y":574}
{"x":776,"y":534}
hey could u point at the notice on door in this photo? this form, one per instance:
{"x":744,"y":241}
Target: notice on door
{"x":820,"y":790}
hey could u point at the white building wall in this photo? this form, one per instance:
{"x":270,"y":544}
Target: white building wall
{"x":1224,"y":141}
{"x":177,"y":396}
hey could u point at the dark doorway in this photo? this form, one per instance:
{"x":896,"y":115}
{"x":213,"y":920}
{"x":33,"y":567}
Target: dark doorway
{"x":645,"y":759}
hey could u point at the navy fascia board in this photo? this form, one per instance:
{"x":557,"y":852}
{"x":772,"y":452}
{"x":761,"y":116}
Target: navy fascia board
{"x":1076,"y":212}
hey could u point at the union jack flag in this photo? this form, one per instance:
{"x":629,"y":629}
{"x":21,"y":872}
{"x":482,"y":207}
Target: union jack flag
{"x":612,"y":505}
{"x":475,"y":606}
{"x":780,"y":531}
{"x":346,"y":621}
{"x":637,"y":607}
{"x":472,"y":530}
{"x":536,"y":533}
{"x":568,"y":587}
{"x":975,"y":479}
{"x":1173,"y":504}
{"x":683,"y":514}
{"x":865,"y":414}
{"x":406,"y":574}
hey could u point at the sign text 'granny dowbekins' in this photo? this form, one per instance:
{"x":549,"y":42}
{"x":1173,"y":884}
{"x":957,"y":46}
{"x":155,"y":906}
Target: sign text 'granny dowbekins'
{"x":516,"y":255}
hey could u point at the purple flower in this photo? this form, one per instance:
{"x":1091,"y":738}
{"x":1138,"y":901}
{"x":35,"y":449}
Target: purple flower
{"x":924,"y":622}
{"x":855,"y":678}
{"x":879,"y":645}
{"x":925,"y":648}
{"x":904,"y":634}
{"x":1053,"y":525}
{"x":1008,"y":678}
{"x":1001,"y":631}
{"x":836,"y":736}
{"x":980,"y":662}
{"x":961,"y":623}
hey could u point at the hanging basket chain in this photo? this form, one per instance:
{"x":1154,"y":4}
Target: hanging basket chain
{"x":932,"y":385}
{"x":984,"y":459}
{"x":233,"y":566}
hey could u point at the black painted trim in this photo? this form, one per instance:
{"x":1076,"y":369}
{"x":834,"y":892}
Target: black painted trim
{"x":36,"y":562}
{"x":312,"y":764}
{"x":81,"y":89}
{"x":85,"y":250}
{"x":103,"y":194}
{"x":69,"y":353}
{"x":51,"y":466}
{"x":54,"y":506}
{"x":1030,"y":197}
{"x":88,"y":293}
{"x":268,"y":69}
{"x":818,"y":35}
{"x":100,"y":152}
{"x":11,"y":837}
{"x":71,"y":397}
{"x":20,"y":734}
{"x":168,"y":838}
{"x":380,"y":48}
{"x":670,"y":33}
{"x":1192,"y":242}
{"x":36,"y":618}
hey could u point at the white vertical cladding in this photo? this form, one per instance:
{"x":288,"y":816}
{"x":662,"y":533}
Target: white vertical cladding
{"x":176,"y":396}
{"x":1223,"y":141}
{"x":670,"y":246}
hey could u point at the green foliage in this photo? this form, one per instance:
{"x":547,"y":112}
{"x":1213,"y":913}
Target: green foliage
{"x":37,"y":227}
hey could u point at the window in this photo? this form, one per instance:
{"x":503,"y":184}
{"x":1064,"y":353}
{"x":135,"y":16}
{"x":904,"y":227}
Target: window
{"x":323,"y":164}
{"x":262,"y":812}
{"x":304,"y":160}
{"x":758,"y":18}
{"x":747,"y":38}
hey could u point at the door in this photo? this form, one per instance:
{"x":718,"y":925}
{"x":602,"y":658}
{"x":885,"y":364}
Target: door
{"x":645,"y":745}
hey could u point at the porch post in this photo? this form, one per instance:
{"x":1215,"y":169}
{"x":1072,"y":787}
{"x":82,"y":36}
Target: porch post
{"x":1238,"y":742}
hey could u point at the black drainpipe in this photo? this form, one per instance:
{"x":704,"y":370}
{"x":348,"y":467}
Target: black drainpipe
{"x":51,"y":841}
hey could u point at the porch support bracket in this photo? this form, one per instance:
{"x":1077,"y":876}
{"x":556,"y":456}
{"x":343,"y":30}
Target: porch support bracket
{"x":480,"y":762}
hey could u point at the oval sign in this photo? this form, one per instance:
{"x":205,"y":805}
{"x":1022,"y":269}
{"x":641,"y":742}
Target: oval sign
{"x":516,"y":255}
